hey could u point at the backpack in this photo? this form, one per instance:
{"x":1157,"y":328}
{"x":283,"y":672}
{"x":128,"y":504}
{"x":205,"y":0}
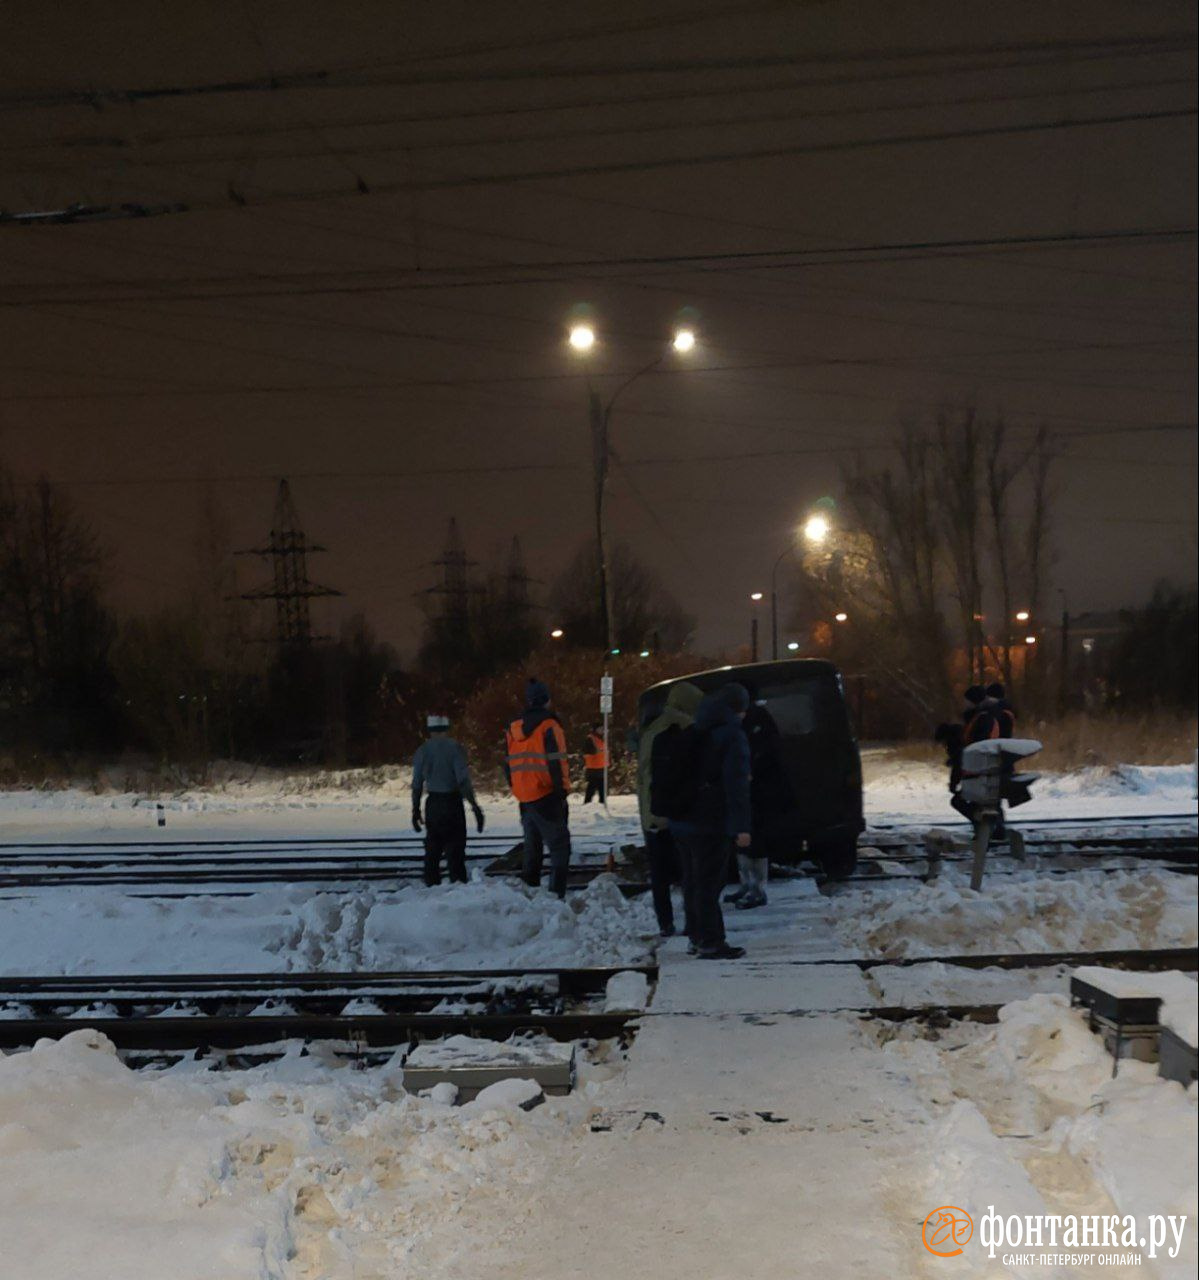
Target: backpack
{"x":677,"y":787}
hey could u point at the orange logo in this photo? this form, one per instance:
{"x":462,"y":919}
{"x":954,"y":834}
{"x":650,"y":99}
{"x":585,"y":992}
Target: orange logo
{"x":947,"y":1226}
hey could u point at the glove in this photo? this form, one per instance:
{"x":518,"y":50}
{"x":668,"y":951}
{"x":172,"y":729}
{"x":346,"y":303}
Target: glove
{"x":478,"y":818}
{"x":416,"y":820}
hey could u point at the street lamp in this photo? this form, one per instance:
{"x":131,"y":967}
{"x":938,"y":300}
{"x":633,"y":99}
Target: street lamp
{"x":756,"y":598}
{"x":817,"y":528}
{"x":1030,"y":639}
{"x":557,"y":633}
{"x":793,"y":645}
{"x":1022,"y":616}
{"x":841,"y":617}
{"x":582,"y":338}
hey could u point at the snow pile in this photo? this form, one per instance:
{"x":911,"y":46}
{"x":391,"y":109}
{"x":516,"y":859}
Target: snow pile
{"x":477,"y":1051}
{"x":489,"y":923}
{"x":304,"y":1169}
{"x":626,"y":993}
{"x":485,"y":924}
{"x":1047,"y":1130}
{"x":1091,"y":911}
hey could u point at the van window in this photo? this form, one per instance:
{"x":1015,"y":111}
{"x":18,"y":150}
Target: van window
{"x":802,"y":707}
{"x":795,"y":706}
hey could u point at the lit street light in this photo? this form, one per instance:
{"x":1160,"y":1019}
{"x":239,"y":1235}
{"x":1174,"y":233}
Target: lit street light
{"x":1030,"y":639}
{"x":557,"y":633}
{"x":756,"y":595}
{"x":841,"y":617}
{"x":582,"y":338}
{"x":817,"y":528}
{"x":793,"y":645}
{"x":1022,"y":616}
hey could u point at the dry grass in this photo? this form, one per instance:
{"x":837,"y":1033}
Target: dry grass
{"x":1081,"y":741}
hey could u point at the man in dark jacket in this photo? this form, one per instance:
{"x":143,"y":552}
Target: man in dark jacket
{"x":440,"y":767}
{"x":721,"y":818}
{"x":770,"y":801}
{"x":537,"y":768}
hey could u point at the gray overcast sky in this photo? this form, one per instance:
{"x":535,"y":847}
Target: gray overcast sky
{"x":338,"y":350}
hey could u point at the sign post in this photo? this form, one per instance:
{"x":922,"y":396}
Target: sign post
{"x":605,"y":706}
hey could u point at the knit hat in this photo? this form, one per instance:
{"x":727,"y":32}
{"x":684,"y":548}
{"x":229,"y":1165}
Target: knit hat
{"x":537,"y":695}
{"x":437,"y":723}
{"x":734,"y":696}
{"x":975,"y":694}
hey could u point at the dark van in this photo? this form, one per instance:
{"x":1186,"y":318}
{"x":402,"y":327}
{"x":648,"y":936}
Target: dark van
{"x":814,"y":805}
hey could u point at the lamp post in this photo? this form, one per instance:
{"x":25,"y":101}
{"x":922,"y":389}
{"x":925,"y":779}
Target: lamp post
{"x":815,"y":530}
{"x":582,"y":339}
{"x":755,"y":599}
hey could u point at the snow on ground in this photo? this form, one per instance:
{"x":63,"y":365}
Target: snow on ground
{"x":301,"y":1170}
{"x":488,"y":923}
{"x":906,"y":791}
{"x":757,"y":1130}
{"x":1026,"y":1117}
{"x":1024,"y":911}
{"x":266,"y":803}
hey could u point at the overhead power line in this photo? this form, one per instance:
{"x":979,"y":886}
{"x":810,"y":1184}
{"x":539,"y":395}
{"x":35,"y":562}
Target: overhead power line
{"x":343,"y":78}
{"x":203,"y":288}
{"x":91,"y":213}
{"x":639,"y":128}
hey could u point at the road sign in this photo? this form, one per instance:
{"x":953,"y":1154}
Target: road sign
{"x":605,"y":686}
{"x":606,"y":704}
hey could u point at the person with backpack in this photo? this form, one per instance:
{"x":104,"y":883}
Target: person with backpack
{"x":1001,"y":709}
{"x":682,"y":702}
{"x":703,"y":776}
{"x":978,"y":716}
{"x":595,"y":762}
{"x":538,"y":772}
{"x":440,"y":767}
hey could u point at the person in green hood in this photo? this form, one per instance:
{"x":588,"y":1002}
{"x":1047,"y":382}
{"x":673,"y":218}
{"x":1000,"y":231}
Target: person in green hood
{"x":664,"y":863}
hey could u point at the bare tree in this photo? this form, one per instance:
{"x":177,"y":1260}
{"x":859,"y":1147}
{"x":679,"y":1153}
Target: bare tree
{"x":937,"y":530}
{"x":644,"y":613}
{"x":54,"y":630}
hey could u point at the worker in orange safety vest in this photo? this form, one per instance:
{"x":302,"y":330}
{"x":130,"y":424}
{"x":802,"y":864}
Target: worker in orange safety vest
{"x":595,"y":762}
{"x":539,"y":774}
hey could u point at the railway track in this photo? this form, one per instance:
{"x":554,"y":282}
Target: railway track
{"x":362,"y":1012}
{"x":184,"y":867}
{"x":199,"y":1012}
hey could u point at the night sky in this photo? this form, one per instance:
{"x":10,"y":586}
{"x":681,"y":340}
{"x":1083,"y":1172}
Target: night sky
{"x":369,"y":288}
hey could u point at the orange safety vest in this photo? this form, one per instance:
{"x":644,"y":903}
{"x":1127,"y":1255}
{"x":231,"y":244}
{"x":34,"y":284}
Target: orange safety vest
{"x":597,"y":757}
{"x":530,"y":766}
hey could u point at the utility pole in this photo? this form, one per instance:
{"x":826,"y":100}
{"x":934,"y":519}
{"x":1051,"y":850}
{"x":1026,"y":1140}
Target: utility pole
{"x":1064,"y":660}
{"x":600,"y":454}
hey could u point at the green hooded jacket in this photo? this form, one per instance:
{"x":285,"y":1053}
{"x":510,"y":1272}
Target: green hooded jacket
{"x":681,"y":705}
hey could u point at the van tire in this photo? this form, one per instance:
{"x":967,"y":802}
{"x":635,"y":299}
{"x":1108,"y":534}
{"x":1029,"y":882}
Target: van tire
{"x":838,"y":858}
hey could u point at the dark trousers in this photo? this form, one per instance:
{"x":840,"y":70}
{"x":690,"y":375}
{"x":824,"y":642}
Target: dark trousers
{"x":705,"y":857}
{"x":595,"y":787}
{"x":543,"y":823}
{"x":445,"y":835}
{"x":663,"y":872}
